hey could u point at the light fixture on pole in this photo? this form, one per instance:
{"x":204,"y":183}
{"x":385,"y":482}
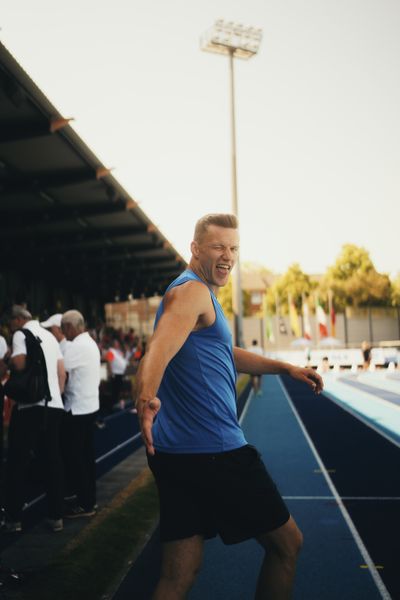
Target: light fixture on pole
{"x":235,"y":41}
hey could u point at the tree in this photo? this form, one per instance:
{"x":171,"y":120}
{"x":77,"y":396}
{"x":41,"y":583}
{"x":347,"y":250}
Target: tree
{"x":396,"y":291}
{"x":354,"y":281}
{"x":225,"y":300}
{"x":294,"y":282}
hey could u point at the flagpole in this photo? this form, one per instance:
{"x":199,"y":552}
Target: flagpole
{"x":316,"y":300}
{"x":330,"y":312}
{"x":277,"y":320}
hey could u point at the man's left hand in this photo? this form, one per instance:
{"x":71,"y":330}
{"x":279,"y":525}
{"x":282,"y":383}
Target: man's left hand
{"x":308,"y":376}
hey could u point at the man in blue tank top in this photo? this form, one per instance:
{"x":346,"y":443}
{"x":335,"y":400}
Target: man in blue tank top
{"x":210,"y":481}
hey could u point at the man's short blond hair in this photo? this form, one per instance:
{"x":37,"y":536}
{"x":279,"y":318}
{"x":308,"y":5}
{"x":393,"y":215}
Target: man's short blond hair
{"x":219,"y":219}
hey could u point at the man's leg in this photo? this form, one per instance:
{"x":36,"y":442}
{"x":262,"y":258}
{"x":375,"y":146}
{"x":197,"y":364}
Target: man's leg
{"x":181,"y":562}
{"x":277,"y":573}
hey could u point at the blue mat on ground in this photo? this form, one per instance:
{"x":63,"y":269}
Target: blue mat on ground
{"x":371,"y":389}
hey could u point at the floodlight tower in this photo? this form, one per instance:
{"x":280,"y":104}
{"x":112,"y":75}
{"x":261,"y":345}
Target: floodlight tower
{"x":235,"y":41}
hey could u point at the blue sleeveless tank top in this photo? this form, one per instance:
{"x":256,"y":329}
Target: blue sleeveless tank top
{"x":198,"y":391}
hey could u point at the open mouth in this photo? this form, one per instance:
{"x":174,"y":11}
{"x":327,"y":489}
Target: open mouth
{"x":223,"y":269}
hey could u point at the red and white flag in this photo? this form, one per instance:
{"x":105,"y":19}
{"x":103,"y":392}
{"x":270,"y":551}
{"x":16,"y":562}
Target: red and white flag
{"x":322,"y":321}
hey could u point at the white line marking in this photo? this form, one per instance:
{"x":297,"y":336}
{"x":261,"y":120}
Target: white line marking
{"x":357,"y":415}
{"x":106,"y":455}
{"x":116,"y":448}
{"x":246,"y":406}
{"x":34,"y":501}
{"x":353,"y":498}
{"x":364,"y":552}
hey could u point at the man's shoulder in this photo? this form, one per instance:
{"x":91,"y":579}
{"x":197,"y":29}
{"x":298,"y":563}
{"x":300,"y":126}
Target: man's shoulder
{"x":192,"y":294}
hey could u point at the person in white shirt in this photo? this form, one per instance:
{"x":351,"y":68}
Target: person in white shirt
{"x":81,"y":401}
{"x":116,"y":367}
{"x":35,"y":424}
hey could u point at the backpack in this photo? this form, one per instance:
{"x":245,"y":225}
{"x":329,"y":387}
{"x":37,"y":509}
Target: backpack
{"x":31,"y":385}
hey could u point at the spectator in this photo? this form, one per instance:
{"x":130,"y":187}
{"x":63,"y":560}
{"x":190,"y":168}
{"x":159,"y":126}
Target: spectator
{"x":53,"y":324}
{"x":256,"y":379}
{"x":82,"y":363}
{"x":325,"y":366}
{"x":116,"y":367}
{"x":34,"y":423}
{"x":366,"y":352}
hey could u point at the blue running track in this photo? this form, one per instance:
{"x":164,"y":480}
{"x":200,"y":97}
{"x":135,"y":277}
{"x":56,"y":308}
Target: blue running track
{"x":340,"y":479}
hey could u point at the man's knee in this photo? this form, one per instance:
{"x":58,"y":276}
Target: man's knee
{"x":181,"y":563}
{"x":180,"y":580}
{"x":286,"y":541}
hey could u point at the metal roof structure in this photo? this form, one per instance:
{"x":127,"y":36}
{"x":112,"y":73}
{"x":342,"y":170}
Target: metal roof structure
{"x":65,"y":221}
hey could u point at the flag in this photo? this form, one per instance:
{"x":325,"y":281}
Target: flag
{"x":306,"y":320}
{"x":294,"y":318}
{"x":281,"y":323}
{"x":269,"y":332}
{"x":322,"y":321}
{"x":268,"y":329}
{"x":333,"y":322}
{"x":332,"y":314}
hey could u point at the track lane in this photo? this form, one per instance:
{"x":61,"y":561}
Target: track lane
{"x":364,"y":467}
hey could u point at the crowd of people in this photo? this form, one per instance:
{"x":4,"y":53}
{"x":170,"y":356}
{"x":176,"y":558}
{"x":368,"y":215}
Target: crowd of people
{"x":56,"y":433}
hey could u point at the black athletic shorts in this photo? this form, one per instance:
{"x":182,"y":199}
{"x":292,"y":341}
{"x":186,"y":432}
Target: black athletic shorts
{"x":229,"y":493}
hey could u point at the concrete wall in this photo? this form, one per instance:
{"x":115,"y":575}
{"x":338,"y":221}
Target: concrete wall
{"x":376,"y":325}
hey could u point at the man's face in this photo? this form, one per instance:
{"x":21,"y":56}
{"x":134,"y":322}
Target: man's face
{"x":217,"y":253}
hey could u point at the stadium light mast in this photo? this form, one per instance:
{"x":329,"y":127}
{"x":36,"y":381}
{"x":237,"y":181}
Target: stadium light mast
{"x":235,"y":41}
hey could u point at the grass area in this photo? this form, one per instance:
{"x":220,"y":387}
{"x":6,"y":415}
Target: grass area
{"x":95,"y":560}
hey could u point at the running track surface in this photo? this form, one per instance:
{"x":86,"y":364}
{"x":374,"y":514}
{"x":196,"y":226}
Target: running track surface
{"x":340,"y":480}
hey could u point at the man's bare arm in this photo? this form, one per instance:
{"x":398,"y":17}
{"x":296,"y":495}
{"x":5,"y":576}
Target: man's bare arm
{"x":18,"y":362}
{"x":183,"y":307}
{"x":61,"y":374}
{"x":254,"y":364}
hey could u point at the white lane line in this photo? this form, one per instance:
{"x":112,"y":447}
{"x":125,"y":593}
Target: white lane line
{"x":246,"y":406}
{"x":364,"y":552}
{"x":33,"y":502}
{"x":353,"y":498}
{"x":116,"y":448}
{"x":357,"y":415}
{"x":98,"y":460}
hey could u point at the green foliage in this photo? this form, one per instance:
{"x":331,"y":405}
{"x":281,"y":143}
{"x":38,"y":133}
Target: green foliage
{"x":354,"y":280}
{"x":294,"y":282}
{"x":396,"y":291}
{"x":225,"y":300}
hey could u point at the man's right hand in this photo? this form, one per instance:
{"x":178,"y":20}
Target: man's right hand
{"x":147,"y":410}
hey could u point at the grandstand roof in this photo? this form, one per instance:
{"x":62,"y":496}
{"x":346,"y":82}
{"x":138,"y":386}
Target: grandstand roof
{"x":64,"y":219}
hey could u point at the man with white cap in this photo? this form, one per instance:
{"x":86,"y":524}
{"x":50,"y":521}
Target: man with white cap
{"x":53,"y":324}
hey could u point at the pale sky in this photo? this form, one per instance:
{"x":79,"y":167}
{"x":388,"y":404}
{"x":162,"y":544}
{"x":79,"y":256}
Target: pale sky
{"x":318,"y":115}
